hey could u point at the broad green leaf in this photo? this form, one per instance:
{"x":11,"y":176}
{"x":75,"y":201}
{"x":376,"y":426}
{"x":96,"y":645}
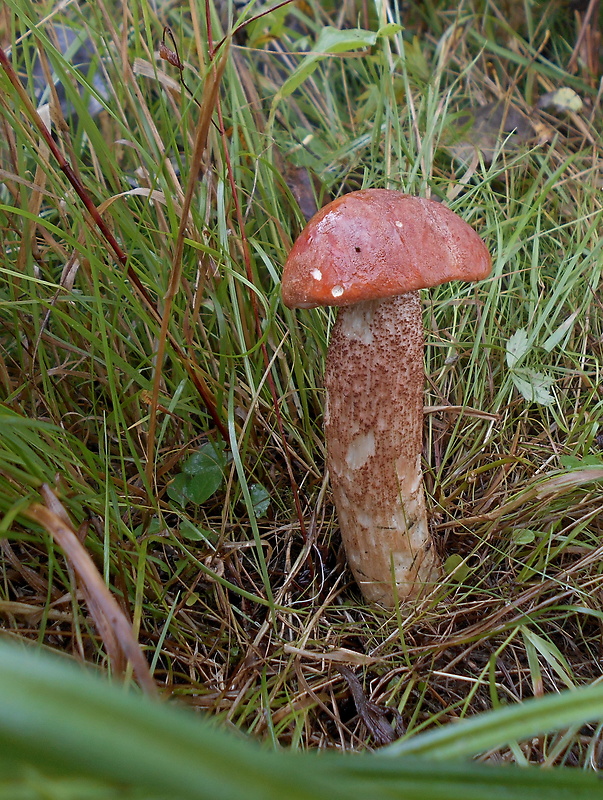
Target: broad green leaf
{"x":209,"y":456}
{"x":177,"y":489}
{"x":533,"y":386}
{"x":330,"y":42}
{"x":184,"y":489}
{"x":203,"y":485}
{"x":517,"y":347}
{"x":35,"y":786}
{"x":333,"y":40}
{"x":59,"y":718}
{"x":573,"y":462}
{"x":201,"y":476}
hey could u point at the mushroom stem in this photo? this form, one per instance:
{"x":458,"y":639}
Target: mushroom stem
{"x":373,"y":424}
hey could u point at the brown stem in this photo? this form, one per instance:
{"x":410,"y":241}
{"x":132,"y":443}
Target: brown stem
{"x":373,"y":426}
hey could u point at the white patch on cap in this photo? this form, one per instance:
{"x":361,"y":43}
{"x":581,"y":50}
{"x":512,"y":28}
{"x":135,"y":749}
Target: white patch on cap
{"x":337,"y":291}
{"x":398,"y":224}
{"x":316,"y":274}
{"x":326,"y":223}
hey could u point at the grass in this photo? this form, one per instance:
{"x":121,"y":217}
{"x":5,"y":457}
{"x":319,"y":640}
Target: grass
{"x":82,"y":738}
{"x":108,"y":392}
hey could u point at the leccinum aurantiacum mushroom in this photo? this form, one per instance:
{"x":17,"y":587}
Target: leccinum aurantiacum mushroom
{"x":370,"y":252}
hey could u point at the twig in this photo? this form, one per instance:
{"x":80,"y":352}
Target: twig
{"x":110,"y":620}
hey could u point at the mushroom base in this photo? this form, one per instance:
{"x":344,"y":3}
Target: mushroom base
{"x":374,"y":426}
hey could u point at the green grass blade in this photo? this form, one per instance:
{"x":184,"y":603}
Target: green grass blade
{"x":61,"y":719}
{"x":66,"y":722}
{"x":505,"y":725}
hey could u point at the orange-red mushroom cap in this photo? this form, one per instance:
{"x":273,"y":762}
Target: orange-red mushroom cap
{"x":379,"y":243}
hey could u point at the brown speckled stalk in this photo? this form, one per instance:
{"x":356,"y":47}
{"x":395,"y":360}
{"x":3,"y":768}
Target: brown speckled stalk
{"x":373,"y":424}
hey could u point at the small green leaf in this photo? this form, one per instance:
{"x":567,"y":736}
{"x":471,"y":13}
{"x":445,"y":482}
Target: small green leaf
{"x":517,"y":347}
{"x":524,"y":536}
{"x":570,"y":462}
{"x":533,"y":386}
{"x":209,"y":456}
{"x":591,"y":461}
{"x":333,"y":40}
{"x":177,"y":489}
{"x":201,"y":477}
{"x":330,"y":41}
{"x":456,"y":568}
{"x":260,"y":499}
{"x":196,"y":534}
{"x":155,"y":527}
{"x":191,"y":599}
{"x":269,"y":25}
{"x":562,"y":99}
{"x":390,"y":29}
{"x":573,"y":462}
{"x":201,"y":487}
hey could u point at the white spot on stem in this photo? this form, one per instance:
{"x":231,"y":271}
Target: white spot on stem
{"x":356,"y":322}
{"x":360,"y":450}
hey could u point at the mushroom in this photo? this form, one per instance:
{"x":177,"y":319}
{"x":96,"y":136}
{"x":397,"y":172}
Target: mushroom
{"x":369,"y":252}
